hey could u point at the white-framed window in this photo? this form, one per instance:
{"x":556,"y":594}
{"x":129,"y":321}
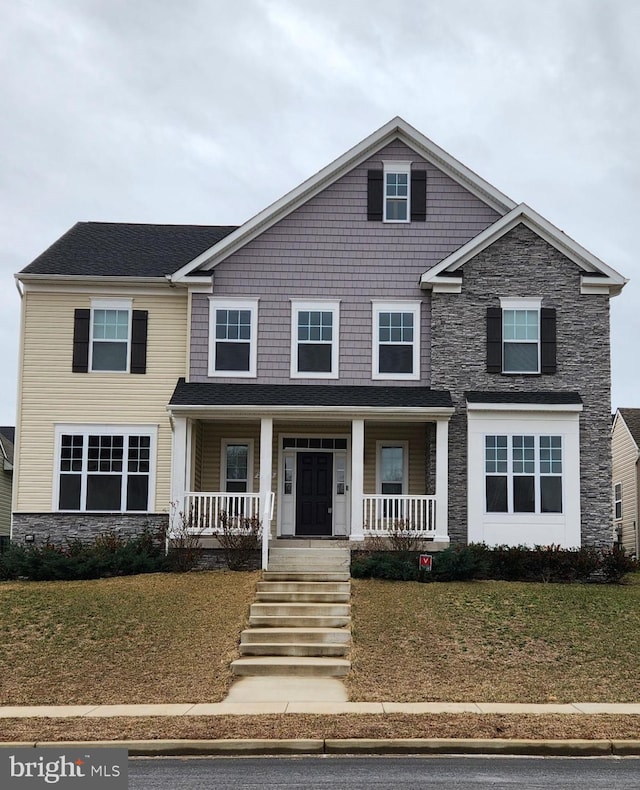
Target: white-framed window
{"x":617,"y":501}
{"x":105,"y":468}
{"x":233,"y":337}
{"x":396,"y":340}
{"x":392,"y":468}
{"x":520,"y":335}
{"x":315,"y":331}
{"x":397,"y":191}
{"x":236,"y":466}
{"x":523,"y":474}
{"x":110,"y":335}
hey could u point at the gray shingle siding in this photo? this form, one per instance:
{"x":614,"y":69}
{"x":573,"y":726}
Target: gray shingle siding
{"x":328,"y":249}
{"x":522,"y":264}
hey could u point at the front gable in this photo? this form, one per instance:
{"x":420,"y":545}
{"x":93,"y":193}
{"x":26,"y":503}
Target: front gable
{"x":596,"y":276}
{"x":397,"y":133}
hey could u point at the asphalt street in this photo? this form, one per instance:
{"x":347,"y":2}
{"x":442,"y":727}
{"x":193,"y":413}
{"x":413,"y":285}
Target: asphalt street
{"x":407,"y":773}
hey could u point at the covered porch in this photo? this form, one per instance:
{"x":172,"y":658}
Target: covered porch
{"x":348,"y":462}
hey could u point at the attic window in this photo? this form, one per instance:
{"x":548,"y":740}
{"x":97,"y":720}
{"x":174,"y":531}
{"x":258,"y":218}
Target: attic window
{"x":397,"y":189}
{"x":396,"y":194}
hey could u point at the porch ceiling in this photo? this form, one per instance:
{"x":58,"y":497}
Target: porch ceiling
{"x":300,"y":399}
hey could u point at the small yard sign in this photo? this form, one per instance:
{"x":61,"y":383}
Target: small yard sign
{"x":426,"y":561}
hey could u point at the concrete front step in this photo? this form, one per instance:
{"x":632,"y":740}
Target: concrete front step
{"x":299,"y":621}
{"x":293,"y":649}
{"x":306,"y":576}
{"x":284,"y":609}
{"x":291,"y":665}
{"x":307,"y":635}
{"x":303,"y":597}
{"x":304,"y":587}
{"x":309,"y":559}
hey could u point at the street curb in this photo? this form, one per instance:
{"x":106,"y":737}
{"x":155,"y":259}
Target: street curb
{"x":348,"y":746}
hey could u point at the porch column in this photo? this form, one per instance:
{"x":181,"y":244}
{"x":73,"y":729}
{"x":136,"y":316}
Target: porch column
{"x":357,"y":478}
{"x":266,"y":455}
{"x":442,"y":481}
{"x":179,"y":462}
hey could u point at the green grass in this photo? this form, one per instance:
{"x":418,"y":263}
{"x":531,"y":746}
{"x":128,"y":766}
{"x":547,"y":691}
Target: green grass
{"x":495,"y":642}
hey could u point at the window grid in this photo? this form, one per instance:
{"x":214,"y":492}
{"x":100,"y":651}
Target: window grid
{"x":526,"y":474}
{"x":233,"y":325}
{"x":93,"y":476}
{"x":395,"y":327}
{"x":315,"y":326}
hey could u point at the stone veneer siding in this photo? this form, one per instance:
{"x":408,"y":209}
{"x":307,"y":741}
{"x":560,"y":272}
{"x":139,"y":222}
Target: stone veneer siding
{"x":522,"y":264}
{"x":58,"y":528}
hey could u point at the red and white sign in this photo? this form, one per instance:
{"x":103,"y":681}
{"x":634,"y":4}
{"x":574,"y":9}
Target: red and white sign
{"x":426,"y":561}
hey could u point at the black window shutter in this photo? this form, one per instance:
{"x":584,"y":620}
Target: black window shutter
{"x":139,"y":320}
{"x":494,"y":340}
{"x":80,"y":361}
{"x":418,"y":195}
{"x":374,"y":195}
{"x":548,"y":339}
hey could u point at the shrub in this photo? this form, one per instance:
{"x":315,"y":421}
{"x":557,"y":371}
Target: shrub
{"x":240,"y":539}
{"x":399,"y":566}
{"x":506,"y":563}
{"x":461,"y":563}
{"x":183,"y":543}
{"x":109,"y":554}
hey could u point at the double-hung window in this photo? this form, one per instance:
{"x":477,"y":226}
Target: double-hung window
{"x":392,"y":468}
{"x":314,"y":339}
{"x":237,"y":461}
{"x":397,"y":191}
{"x":233,"y":337}
{"x":110,"y":333}
{"x":523,"y":474}
{"x":110,"y":337}
{"x":105,"y":468}
{"x":520,"y":336}
{"x":396,"y":340}
{"x":617,"y":501}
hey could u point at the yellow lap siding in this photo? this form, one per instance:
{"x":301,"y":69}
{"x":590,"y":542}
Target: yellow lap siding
{"x":51,"y":393}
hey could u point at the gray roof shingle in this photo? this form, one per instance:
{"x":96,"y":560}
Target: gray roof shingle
{"x":120,"y":249}
{"x":632,"y":420}
{"x":7,"y":441}
{"x":211,"y":394}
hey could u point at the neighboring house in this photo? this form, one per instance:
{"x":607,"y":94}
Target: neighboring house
{"x":625,"y":443}
{"x":7,"y":439}
{"x":393,"y":343}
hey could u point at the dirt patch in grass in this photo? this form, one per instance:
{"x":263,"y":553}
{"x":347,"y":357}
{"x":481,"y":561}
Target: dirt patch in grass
{"x":495,"y":642}
{"x":310,"y":726}
{"x":151,"y":638}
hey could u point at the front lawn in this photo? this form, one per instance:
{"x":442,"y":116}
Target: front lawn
{"x":151,"y":638}
{"x":495,"y":642}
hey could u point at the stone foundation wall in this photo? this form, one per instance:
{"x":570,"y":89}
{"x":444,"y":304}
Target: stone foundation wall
{"x":59,"y":528}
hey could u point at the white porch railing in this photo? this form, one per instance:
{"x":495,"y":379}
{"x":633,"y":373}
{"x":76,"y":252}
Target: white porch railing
{"x":383,"y":514}
{"x":202,"y":510}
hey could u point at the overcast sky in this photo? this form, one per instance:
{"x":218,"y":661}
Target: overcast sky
{"x":206,"y":111}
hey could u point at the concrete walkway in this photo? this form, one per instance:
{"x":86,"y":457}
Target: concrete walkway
{"x":325,"y":707}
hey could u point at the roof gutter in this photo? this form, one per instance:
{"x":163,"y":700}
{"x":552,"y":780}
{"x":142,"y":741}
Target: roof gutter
{"x":348,"y":412}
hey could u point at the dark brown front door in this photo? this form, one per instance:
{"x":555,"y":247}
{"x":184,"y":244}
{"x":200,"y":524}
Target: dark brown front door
{"x":314,"y":494}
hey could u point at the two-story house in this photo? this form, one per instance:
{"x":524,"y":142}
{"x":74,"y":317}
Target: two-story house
{"x":394,"y":342}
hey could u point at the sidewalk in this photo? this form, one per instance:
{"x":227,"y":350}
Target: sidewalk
{"x":162,"y":747}
{"x":258,"y":708}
